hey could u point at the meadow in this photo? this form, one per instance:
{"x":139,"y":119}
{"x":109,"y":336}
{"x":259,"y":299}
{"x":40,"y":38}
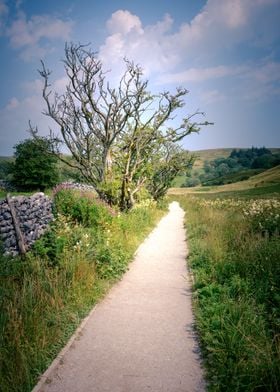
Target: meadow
{"x":45,"y":295}
{"x":234,"y":243}
{"x":234,"y":249}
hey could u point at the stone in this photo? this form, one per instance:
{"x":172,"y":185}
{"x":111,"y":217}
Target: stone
{"x":7,"y":215}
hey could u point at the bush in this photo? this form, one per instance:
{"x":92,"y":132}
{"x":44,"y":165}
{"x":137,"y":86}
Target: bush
{"x":35,"y":167}
{"x":86,"y":210}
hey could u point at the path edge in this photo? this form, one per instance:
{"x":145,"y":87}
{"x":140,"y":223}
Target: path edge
{"x":44,"y":377}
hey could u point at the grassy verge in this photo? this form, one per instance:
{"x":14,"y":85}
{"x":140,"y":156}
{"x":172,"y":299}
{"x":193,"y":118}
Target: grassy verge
{"x":234,"y":257}
{"x":45,"y":295}
{"x":3,"y":194}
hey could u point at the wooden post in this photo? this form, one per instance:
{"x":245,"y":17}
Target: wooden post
{"x":20,"y":239}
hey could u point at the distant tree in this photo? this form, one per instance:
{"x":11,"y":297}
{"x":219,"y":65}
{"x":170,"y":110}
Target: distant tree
{"x":245,"y":161}
{"x":172,"y":161}
{"x":232,"y":163}
{"x":191,"y":182}
{"x":266,"y":161}
{"x":35,"y":167}
{"x":6,"y":168}
{"x":238,"y":160}
{"x":223,"y":169}
{"x":233,"y":154}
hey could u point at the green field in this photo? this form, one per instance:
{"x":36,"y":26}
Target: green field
{"x":204,"y":156}
{"x":234,"y":246}
{"x":264,"y":184}
{"x":212,"y":154}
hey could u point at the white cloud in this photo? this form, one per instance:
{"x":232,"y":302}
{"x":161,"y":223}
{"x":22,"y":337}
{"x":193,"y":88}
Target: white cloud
{"x":124,"y":22}
{"x":268,"y":72}
{"x":258,"y":81}
{"x":201,"y":74}
{"x":33,"y":86}
{"x":261,"y":81}
{"x":14,"y":121}
{"x":27,"y":35}
{"x":3,"y":8}
{"x":18,"y":4}
{"x":212,"y":96}
{"x":220,"y":25}
{"x":130,"y":39}
{"x":3,"y":13}
{"x":36,"y":86}
{"x":17,"y":113}
{"x":12,"y":104}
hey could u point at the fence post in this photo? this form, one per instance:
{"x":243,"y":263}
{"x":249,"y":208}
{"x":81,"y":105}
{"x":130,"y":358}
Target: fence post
{"x":20,"y":239}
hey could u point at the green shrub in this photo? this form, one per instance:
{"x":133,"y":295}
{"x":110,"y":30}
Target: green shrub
{"x":86,"y":210}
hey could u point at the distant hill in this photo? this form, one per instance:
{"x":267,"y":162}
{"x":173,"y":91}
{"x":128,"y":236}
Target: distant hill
{"x":268,"y":177}
{"x":212,"y":154}
{"x":209,"y":155}
{"x":6,"y":158}
{"x":197,"y":175}
{"x":265,"y":184}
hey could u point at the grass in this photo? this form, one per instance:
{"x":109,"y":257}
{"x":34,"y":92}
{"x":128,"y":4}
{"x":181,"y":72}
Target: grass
{"x":3,"y":194}
{"x":269,"y":177}
{"x":234,"y":258}
{"x":212,"y":154}
{"x":201,"y":156}
{"x":234,"y":177}
{"x":45,"y":295}
{"x":265,"y":184}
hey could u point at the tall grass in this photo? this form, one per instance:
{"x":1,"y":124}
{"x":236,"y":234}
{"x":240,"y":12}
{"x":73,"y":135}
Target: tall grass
{"x":45,"y":295}
{"x":235,"y":263}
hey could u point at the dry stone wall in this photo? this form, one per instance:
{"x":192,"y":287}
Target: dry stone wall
{"x":23,"y":220}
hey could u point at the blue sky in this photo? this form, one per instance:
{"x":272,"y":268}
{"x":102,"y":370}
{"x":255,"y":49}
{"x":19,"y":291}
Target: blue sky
{"x":225,"y":52}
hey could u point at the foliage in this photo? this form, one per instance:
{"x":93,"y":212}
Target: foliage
{"x":264,"y":216}
{"x":219,"y":171}
{"x":44,"y":296}
{"x":116,"y":134}
{"x":35,"y":167}
{"x":175,"y":162}
{"x":236,"y":289}
{"x":86,"y":210}
{"x":226,"y":166}
{"x":67,"y":172}
{"x":6,"y":166}
{"x":190,"y":182}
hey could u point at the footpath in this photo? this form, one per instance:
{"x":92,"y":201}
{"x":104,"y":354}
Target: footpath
{"x":140,"y":337}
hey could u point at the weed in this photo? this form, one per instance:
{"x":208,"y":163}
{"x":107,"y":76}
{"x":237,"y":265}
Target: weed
{"x":234,"y":257}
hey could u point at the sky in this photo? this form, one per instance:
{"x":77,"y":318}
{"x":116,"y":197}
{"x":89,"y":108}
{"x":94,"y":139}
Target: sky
{"x":226,"y":53}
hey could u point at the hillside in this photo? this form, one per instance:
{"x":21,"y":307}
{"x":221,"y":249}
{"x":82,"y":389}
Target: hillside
{"x":268,"y":177}
{"x":264,"y":184}
{"x":211,"y":154}
{"x":215,"y":176}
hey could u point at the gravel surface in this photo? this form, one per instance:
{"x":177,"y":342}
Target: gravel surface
{"x":140,"y":337}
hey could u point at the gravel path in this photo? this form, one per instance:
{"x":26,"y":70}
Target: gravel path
{"x":140,"y":337}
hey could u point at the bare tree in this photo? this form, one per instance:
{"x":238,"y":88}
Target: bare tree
{"x":112,"y":132}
